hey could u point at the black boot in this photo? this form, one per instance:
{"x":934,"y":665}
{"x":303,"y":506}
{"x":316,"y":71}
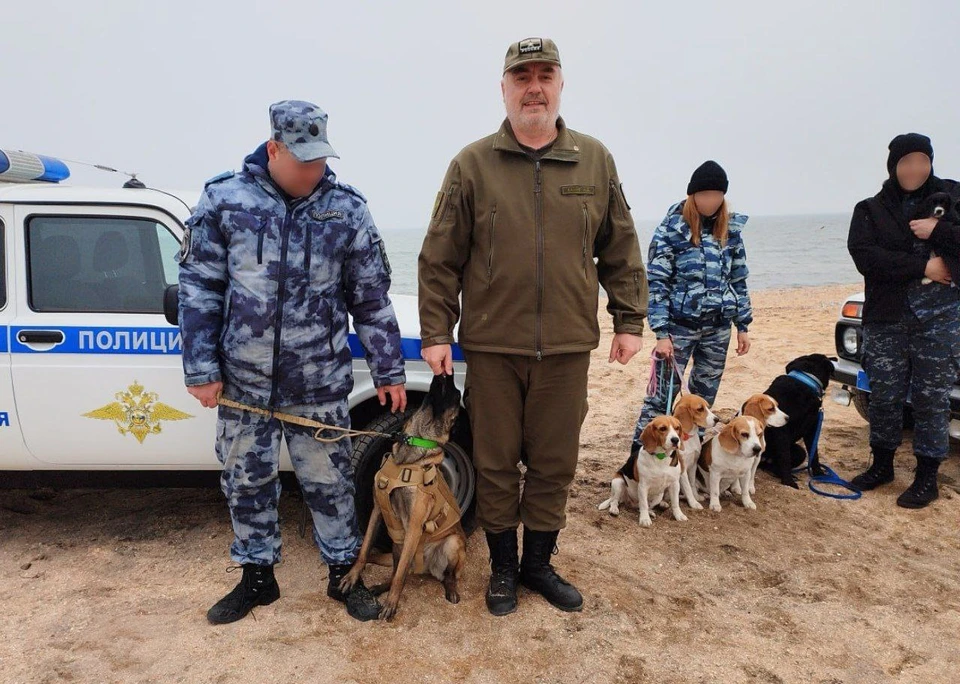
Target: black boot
{"x":361,"y":604}
{"x":537,"y":574}
{"x":258,"y":587}
{"x":924,"y":490}
{"x":879,"y":473}
{"x":502,"y":592}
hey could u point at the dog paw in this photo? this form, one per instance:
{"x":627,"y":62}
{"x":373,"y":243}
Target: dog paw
{"x":696,"y":506}
{"x":753,"y":490}
{"x":750,"y":505}
{"x":346,"y":584}
{"x":453,"y":597}
{"x":388,"y":609}
{"x":645,"y":522}
{"x":678,"y":515}
{"x":716,"y":507}
{"x":614,"y":511}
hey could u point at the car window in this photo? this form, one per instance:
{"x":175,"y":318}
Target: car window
{"x":169,"y":247}
{"x":98,"y":263}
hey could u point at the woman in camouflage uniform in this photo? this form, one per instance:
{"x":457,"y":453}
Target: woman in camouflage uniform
{"x":697,"y":273}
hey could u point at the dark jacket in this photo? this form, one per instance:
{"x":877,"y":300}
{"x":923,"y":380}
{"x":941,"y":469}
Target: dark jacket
{"x":883,"y":249}
{"x":518,"y":237}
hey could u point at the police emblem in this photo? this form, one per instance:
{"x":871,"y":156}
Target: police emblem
{"x":137,"y":412}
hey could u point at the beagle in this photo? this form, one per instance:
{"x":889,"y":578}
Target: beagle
{"x":693,"y":412}
{"x":764,"y":408}
{"x":653,"y":467}
{"x":731,"y":459}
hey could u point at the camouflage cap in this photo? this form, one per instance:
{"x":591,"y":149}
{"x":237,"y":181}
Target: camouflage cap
{"x":302,"y":127}
{"x":531,"y":50}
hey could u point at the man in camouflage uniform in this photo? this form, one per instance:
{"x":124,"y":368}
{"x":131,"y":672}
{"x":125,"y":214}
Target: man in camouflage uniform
{"x":274,"y":259}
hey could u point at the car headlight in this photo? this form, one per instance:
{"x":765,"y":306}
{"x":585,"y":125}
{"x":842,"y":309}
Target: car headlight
{"x":850,"y":340}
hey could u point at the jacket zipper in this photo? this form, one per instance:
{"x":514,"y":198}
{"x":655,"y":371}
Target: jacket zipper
{"x":281,"y":295}
{"x":586,"y":230}
{"x":263,"y":229}
{"x":330,"y":328}
{"x":538,"y":213}
{"x":306,"y":248}
{"x":493,"y":232}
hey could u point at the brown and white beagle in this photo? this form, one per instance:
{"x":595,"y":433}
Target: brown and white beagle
{"x":693,"y":412}
{"x":730,"y":459}
{"x":764,"y":408}
{"x":654,"y":466}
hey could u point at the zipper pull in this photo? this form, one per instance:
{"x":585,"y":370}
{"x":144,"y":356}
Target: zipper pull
{"x":539,"y":356}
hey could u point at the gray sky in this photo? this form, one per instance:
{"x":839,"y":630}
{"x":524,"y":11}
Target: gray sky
{"x":797,"y":102}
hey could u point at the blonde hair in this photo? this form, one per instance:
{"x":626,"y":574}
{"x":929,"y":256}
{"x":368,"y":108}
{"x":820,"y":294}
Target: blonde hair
{"x":691,"y":215}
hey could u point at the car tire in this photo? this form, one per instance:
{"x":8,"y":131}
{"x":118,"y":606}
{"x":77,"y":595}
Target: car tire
{"x":457,"y":469}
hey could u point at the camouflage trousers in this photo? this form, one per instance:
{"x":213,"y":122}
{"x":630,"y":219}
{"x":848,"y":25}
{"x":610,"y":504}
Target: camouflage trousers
{"x":707,"y":347}
{"x":919,"y":360}
{"x":248,"y":446}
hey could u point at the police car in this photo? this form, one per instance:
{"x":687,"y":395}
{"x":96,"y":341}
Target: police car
{"x":91,"y":382}
{"x":853,"y":384}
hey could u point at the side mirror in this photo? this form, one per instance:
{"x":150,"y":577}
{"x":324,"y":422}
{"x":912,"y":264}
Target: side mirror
{"x":171,"y":302}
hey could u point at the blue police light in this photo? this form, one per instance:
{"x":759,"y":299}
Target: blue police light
{"x":16,"y":166}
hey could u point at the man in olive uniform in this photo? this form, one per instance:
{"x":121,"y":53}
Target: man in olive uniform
{"x":529,"y":222}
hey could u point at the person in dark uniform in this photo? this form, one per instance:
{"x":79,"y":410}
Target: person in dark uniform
{"x":911,"y":328}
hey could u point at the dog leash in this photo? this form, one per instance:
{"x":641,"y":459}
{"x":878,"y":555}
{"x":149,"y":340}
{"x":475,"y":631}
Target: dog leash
{"x":659,"y":367}
{"x":320,"y":428}
{"x":831,"y":477}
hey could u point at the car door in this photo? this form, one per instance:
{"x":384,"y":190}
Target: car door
{"x":96,"y":368}
{"x":13,"y":455}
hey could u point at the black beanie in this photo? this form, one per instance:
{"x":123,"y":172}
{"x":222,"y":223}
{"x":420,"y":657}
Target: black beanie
{"x":708,"y":176}
{"x":905,"y":144}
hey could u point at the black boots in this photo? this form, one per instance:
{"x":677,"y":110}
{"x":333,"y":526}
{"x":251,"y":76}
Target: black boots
{"x":257,"y":587}
{"x":923,"y":491}
{"x":879,"y":473}
{"x":919,"y":494}
{"x":361,"y":604}
{"x":538,"y":575}
{"x":502,"y":592}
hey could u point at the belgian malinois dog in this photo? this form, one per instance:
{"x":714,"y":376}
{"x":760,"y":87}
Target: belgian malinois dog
{"x":415,"y":503}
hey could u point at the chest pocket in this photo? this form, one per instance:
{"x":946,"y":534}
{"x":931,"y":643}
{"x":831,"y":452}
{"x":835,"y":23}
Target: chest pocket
{"x":323,"y":250}
{"x":252,"y":238}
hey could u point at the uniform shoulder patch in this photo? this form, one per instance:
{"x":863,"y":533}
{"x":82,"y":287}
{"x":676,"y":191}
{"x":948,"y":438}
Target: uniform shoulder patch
{"x":352,"y":190}
{"x":220,"y":177}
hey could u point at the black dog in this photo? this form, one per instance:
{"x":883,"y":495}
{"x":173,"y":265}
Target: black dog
{"x":800,"y":396}
{"x":940,"y":205}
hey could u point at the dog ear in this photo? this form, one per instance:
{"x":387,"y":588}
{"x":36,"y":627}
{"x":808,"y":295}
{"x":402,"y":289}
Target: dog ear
{"x":685,"y":415}
{"x":649,"y":439}
{"x":751,"y":407}
{"x":728,"y":437}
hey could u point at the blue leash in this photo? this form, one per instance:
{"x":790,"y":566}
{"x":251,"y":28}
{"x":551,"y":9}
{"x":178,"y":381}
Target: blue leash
{"x":830,"y":478}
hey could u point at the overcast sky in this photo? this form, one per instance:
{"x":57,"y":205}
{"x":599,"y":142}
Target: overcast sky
{"x":797,"y":101}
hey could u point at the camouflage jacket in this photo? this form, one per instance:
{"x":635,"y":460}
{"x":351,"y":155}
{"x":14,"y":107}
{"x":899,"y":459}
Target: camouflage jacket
{"x":687,"y":281}
{"x":266,"y":286}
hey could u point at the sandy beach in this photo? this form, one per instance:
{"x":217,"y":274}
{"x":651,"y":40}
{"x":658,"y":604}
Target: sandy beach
{"x":112,"y":585}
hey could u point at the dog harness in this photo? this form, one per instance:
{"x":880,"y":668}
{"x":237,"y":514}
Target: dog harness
{"x":425,"y":476}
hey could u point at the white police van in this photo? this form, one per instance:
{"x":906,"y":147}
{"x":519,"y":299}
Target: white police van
{"x":91,"y":382}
